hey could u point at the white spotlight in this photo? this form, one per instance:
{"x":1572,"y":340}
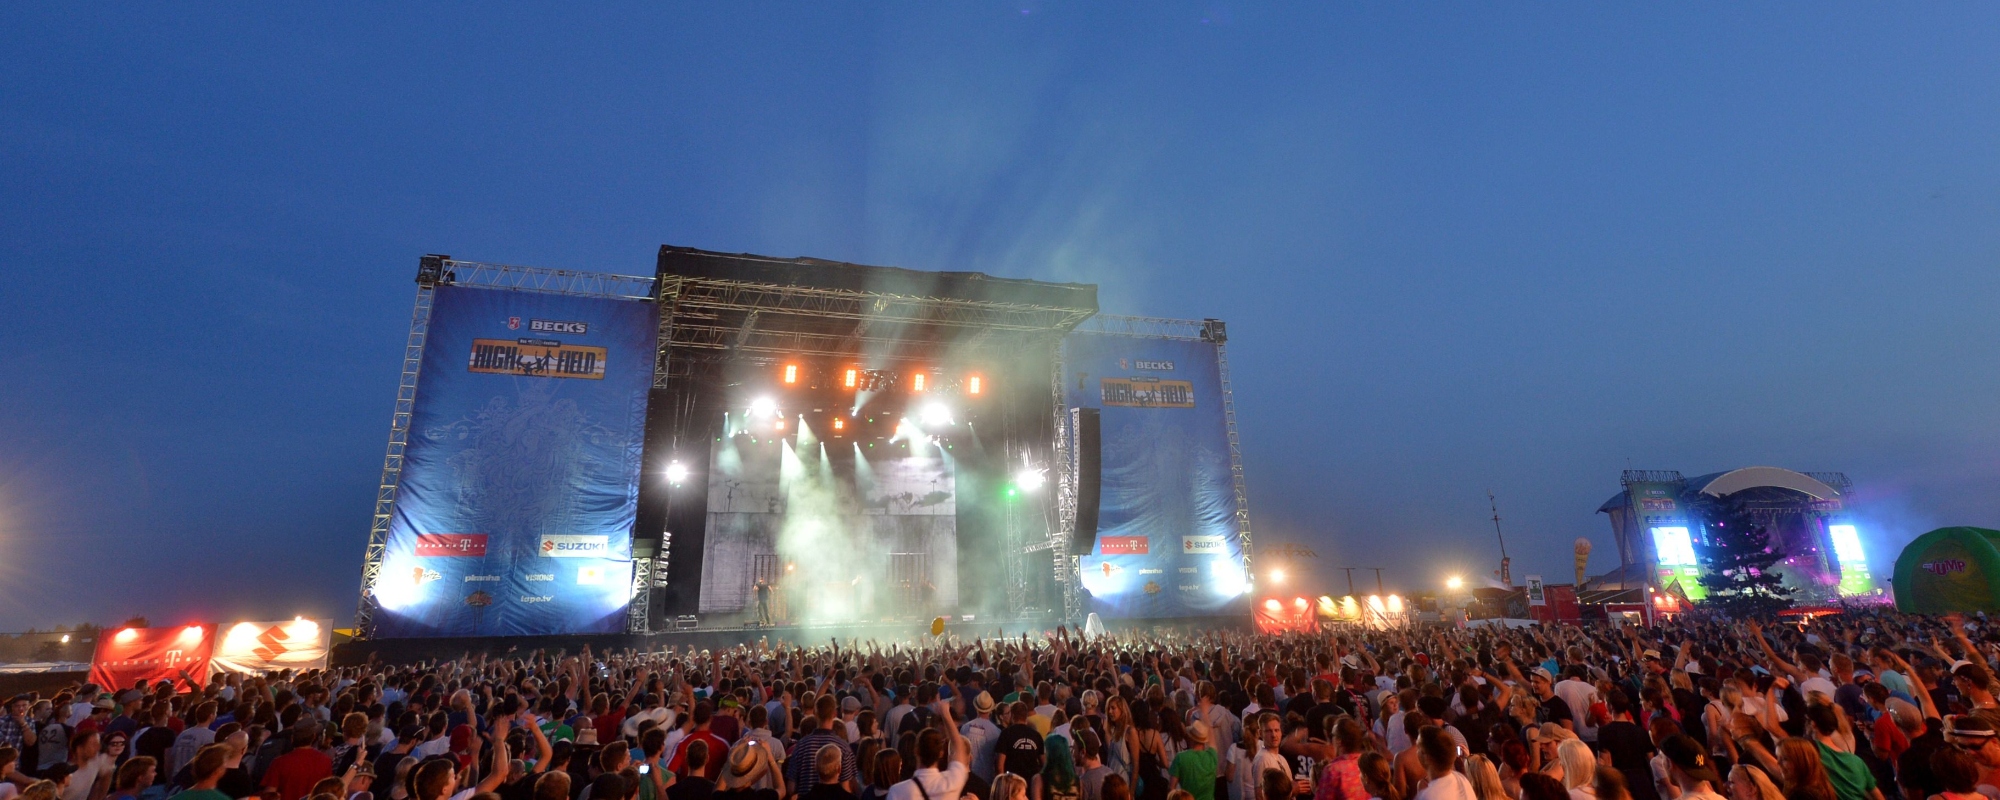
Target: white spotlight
{"x":764,"y":407}
{"x":935,"y":415}
{"x":677,"y":472}
{"x":1029,"y":479}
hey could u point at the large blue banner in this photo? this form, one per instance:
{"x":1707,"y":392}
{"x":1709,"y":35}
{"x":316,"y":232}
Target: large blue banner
{"x":1167,"y":541}
{"x":520,"y":482}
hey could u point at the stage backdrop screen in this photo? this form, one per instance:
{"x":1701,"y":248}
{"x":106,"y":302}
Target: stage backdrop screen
{"x":520,"y":482}
{"x":1167,"y":542}
{"x":841,"y":532}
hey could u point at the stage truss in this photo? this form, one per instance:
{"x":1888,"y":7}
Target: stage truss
{"x":434,"y":271}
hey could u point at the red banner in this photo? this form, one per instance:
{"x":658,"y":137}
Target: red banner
{"x":1277,"y":615}
{"x":127,"y":655}
{"x":1122,"y":545}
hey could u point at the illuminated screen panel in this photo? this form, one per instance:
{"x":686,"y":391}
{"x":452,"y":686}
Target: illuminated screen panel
{"x":1674,"y":546}
{"x":1846,"y":544}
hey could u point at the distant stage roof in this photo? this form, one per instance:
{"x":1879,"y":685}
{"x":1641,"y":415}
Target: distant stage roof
{"x":764,"y":307}
{"x":1760,"y":481}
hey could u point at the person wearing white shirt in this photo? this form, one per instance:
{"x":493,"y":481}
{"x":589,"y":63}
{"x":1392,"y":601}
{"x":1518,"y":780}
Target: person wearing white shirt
{"x":929,"y":782}
{"x":1439,"y":754}
{"x":1247,"y":768}
{"x":1580,"y":696}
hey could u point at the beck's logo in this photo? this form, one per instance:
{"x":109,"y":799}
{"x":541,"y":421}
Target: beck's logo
{"x":557,"y":545}
{"x":554,"y":326}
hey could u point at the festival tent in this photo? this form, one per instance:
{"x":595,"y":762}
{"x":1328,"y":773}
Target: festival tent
{"x":1949,"y":569}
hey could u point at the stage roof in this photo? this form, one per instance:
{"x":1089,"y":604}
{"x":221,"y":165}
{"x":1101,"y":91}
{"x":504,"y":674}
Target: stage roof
{"x":765,"y":308}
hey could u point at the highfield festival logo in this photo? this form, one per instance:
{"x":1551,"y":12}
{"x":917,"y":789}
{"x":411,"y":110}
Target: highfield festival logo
{"x":1146,"y":393}
{"x":536,"y":358}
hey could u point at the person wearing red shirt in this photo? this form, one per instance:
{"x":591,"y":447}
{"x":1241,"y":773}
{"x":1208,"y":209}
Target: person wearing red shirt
{"x":703,"y":712}
{"x":294,"y":773}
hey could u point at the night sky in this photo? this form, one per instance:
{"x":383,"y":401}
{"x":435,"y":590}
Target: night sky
{"x":1459,"y":247}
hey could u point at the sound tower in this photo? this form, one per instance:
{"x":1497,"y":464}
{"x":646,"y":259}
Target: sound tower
{"x":1089,"y":474}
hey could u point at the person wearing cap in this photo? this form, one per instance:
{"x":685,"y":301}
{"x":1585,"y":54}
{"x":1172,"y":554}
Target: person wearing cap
{"x":1689,"y":768}
{"x":982,"y":735}
{"x":850,"y":707}
{"x":752,"y":772}
{"x":1542,"y":684}
{"x":1977,"y":737}
{"x":360,"y":780}
{"x":63,"y":776}
{"x":16,"y":730}
{"x":1195,"y":768}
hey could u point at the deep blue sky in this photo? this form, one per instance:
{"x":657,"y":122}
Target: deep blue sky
{"x":1459,"y":247}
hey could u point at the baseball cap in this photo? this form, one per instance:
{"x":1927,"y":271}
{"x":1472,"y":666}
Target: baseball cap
{"x":1542,"y":673}
{"x":850,"y":704}
{"x":1686,"y":754}
{"x":58,"y":772}
{"x":412,"y":732}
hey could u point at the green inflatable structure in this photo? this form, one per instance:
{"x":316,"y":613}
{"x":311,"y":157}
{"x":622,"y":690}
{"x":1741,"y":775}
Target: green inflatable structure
{"x":1950,"y":569}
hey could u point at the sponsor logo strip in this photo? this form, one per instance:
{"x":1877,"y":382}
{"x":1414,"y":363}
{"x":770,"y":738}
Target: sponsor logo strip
{"x":451,"y":545}
{"x":536,"y":358}
{"x":1122,"y":545}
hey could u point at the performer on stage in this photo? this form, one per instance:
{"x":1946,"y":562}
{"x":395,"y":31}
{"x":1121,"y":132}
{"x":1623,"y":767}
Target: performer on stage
{"x":763,"y":602}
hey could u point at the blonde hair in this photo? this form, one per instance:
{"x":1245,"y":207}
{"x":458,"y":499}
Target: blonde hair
{"x":1486,"y":784}
{"x":1007,"y":786}
{"x":1579,"y":766}
{"x":1766,"y":790}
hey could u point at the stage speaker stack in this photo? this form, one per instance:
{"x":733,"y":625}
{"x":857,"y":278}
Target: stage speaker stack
{"x":1089,"y":479}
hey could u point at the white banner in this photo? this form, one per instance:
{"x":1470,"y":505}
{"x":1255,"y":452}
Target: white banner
{"x":255,"y":648}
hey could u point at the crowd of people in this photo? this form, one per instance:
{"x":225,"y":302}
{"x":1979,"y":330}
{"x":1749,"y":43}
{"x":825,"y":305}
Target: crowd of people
{"x":1860,"y":706}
